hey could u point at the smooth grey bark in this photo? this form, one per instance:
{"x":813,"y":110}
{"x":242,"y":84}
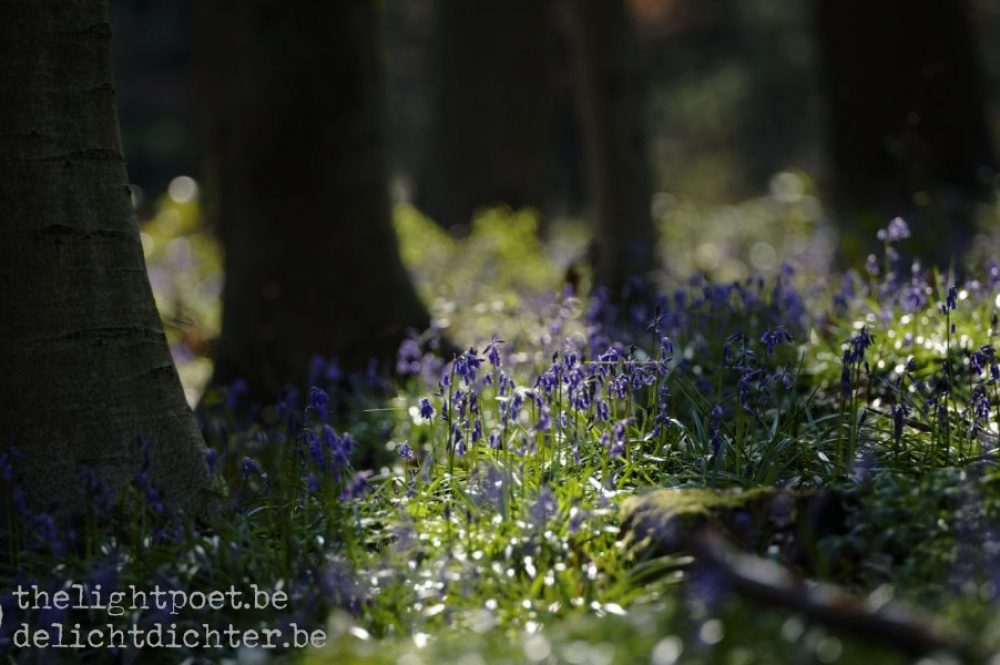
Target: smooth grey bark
{"x":292,"y":122}
{"x":612,"y":111}
{"x":491,"y":97}
{"x":84,"y":364}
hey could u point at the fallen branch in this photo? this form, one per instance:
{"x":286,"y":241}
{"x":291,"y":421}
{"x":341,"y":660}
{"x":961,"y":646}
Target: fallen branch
{"x":827,"y":604}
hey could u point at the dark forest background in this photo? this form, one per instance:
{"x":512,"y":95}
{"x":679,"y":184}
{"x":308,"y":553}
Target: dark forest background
{"x":734,"y":93}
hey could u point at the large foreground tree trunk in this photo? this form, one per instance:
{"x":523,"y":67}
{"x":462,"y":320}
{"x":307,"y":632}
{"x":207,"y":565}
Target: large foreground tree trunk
{"x":612,"y":111}
{"x":292,"y":116}
{"x":907,"y":130}
{"x":84,"y":364}
{"x":491,"y":94}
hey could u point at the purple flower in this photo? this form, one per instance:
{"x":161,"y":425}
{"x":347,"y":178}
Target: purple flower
{"x":774,"y":337}
{"x":715,"y":429}
{"x":610,"y":356}
{"x":857,"y":345}
{"x":339,"y":447}
{"x":405,"y":451}
{"x":426,"y":410}
{"x":980,"y":357}
{"x":980,"y":405}
{"x":211,"y":459}
{"x":408,"y":358}
{"x":899,"y":413}
{"x":544,"y":420}
{"x":896,"y":231}
{"x":467,"y":366}
{"x":913,"y":298}
{"x":313,"y":445}
{"x":250,"y":467}
{"x":544,"y":507}
{"x":871,"y":265}
{"x":340,"y":586}
{"x":492,"y":351}
{"x":317,"y":402}
{"x":358,"y":486}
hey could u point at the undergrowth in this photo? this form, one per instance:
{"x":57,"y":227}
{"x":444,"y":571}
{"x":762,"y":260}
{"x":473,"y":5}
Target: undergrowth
{"x":468,"y":510}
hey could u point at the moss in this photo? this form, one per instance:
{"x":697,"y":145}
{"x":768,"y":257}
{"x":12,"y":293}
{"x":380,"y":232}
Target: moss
{"x":662,"y":521}
{"x":696,"y":501}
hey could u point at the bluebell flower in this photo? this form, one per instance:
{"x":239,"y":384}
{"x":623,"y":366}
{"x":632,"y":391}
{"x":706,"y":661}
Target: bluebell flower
{"x":899,"y":413}
{"x":896,"y":231}
{"x":339,"y":446}
{"x":952,"y":300}
{"x":772,"y":338}
{"x":340,"y":586}
{"x":715,"y":429}
{"x":516,"y":404}
{"x":408,"y":357}
{"x":611,"y":355}
{"x":493,"y":352}
{"x":317,"y":403}
{"x":316,"y":452}
{"x":467,"y":366}
{"x":871,"y":265}
{"x":733,"y":341}
{"x":980,"y":358}
{"x":603,"y":411}
{"x":211,"y":459}
{"x":913,"y":298}
{"x":846,"y":294}
{"x":980,"y":405}
{"x":858,"y":344}
{"x":544,"y":421}
{"x":426,"y":410}
{"x":576,"y":520}
{"x":358,"y":486}
{"x":405,"y":451}
{"x":250,"y":467}
{"x":544,"y":507}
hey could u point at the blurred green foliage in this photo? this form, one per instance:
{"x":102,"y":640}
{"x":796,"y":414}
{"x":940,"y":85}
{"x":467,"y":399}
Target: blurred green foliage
{"x":185,"y":270}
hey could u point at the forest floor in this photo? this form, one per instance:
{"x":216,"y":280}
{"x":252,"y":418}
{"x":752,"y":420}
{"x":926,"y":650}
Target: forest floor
{"x":745,"y":469}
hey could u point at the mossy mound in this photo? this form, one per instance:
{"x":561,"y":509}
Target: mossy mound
{"x":661,"y":522}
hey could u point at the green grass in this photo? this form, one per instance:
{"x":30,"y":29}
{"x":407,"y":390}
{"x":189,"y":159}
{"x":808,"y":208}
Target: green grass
{"x":514,"y":552}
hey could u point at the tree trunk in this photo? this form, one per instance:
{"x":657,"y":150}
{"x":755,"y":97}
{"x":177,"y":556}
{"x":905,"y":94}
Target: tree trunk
{"x":292,"y":119}
{"x":491,"y":109}
{"x":84,"y":364}
{"x":906,"y":125}
{"x":612,"y":110}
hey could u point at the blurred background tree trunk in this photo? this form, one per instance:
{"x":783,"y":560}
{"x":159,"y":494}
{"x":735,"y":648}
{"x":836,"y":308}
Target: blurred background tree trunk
{"x":611,"y":91}
{"x":906,"y":124}
{"x":491,"y":109}
{"x":291,"y":114}
{"x":83,"y":359}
